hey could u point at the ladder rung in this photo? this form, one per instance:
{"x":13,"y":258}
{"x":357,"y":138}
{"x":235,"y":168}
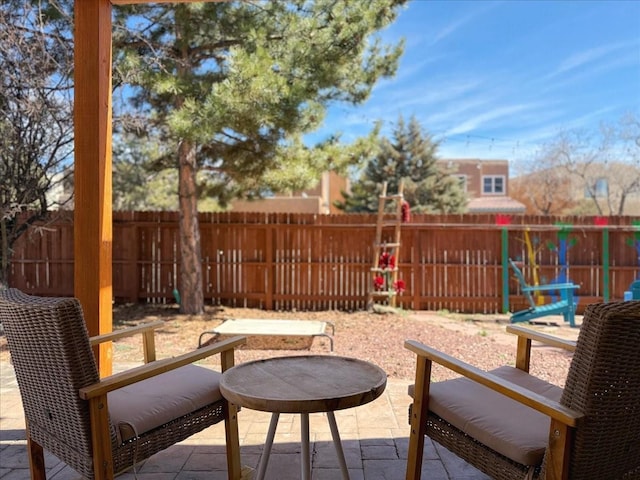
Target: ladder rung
{"x":377,"y":269}
{"x":388,"y":245}
{"x":390,"y":197}
{"x":382,"y":293}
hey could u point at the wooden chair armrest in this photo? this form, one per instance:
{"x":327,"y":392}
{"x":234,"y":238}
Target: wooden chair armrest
{"x":148,"y":370}
{"x":126,"y":332}
{"x":550,"y":287}
{"x":147,"y":330}
{"x":526,"y":336}
{"x":547,"y":339}
{"x":542,"y":404}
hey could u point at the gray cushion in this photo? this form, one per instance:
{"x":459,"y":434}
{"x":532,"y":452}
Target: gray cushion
{"x":508,"y":427}
{"x":143,"y":406}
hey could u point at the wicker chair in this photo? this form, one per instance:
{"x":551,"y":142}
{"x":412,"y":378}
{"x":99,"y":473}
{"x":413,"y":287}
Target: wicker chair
{"x":511,"y":425}
{"x":101,"y":427}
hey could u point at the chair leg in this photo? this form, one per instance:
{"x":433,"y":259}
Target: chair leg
{"x":419,"y":411}
{"x":560,"y":442}
{"x":100,"y":438}
{"x":36,"y":459}
{"x":232,"y":441}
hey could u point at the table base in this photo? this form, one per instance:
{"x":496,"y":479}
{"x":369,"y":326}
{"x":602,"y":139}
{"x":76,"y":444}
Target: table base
{"x":305,"y":453}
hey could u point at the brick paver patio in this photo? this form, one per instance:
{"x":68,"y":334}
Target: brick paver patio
{"x":375,"y":441}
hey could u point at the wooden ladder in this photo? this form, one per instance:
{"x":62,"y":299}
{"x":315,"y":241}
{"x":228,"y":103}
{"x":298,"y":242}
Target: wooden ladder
{"x":392,"y":249}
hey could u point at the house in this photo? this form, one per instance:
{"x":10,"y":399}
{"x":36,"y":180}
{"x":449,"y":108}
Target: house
{"x":60,"y":192}
{"x":598,"y":188}
{"x":319,"y":199}
{"x":486,"y":183}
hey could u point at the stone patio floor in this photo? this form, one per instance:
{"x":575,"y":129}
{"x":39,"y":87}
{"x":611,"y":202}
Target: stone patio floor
{"x":374,"y":436}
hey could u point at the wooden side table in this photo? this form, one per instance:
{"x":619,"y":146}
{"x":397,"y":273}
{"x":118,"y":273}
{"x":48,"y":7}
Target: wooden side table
{"x":303,"y":384}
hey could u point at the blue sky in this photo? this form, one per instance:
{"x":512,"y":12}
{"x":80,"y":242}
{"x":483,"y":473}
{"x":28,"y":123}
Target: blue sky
{"x":497,"y":79}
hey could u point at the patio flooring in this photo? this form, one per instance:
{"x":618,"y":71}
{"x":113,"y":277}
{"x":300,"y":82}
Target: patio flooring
{"x":374,"y":437}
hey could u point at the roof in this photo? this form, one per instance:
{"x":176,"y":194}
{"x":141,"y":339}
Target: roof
{"x":498,"y":204}
{"x":475,"y":161}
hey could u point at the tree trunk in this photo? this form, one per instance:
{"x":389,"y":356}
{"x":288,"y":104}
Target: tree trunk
{"x":4,"y":255}
{"x":191,"y":294}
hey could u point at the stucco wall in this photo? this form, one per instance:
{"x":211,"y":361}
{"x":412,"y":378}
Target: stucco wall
{"x":279,"y":204}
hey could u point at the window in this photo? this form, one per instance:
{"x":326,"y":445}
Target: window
{"x":493,"y":185}
{"x":598,"y":189}
{"x":462,"y":181}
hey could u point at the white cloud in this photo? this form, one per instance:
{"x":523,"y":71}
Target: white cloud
{"x":456,"y":24}
{"x":505,"y":113}
{"x":449,"y":29}
{"x":425,"y":94}
{"x":590,"y":56}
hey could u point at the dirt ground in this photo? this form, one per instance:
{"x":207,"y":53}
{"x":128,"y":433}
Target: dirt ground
{"x":376,"y":337}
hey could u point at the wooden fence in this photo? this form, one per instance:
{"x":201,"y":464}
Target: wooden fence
{"x":317,"y":262}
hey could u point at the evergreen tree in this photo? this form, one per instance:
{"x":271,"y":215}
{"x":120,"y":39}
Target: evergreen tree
{"x":224,"y":87}
{"x":410,"y":156}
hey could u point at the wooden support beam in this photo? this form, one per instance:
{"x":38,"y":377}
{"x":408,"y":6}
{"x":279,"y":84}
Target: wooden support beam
{"x":93,"y":236}
{"x":92,"y":176}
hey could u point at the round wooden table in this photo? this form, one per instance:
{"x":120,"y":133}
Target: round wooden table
{"x":304,"y":385}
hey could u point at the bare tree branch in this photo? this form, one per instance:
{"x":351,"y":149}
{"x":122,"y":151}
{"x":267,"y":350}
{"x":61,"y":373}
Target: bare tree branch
{"x":36,"y":116}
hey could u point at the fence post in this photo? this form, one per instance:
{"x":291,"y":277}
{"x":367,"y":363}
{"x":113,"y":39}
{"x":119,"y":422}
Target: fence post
{"x":505,"y":269}
{"x":605,"y":264}
{"x":135,"y":273}
{"x":269,"y":287}
{"x":417,"y":270}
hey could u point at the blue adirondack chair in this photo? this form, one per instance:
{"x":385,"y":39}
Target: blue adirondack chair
{"x":565,"y":306}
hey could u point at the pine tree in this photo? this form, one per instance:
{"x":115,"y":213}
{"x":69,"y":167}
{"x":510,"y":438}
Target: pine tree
{"x":409,"y":156}
{"x":224,"y":86}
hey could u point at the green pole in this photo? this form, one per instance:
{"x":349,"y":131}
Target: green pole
{"x":505,"y":270}
{"x":605,"y":264}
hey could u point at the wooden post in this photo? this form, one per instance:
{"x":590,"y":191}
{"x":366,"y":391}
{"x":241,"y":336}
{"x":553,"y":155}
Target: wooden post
{"x":418,"y":420}
{"x":93,"y":217}
{"x":606,"y":285}
{"x":270,"y":266}
{"x":504,"y":242}
{"x":417,"y":269}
